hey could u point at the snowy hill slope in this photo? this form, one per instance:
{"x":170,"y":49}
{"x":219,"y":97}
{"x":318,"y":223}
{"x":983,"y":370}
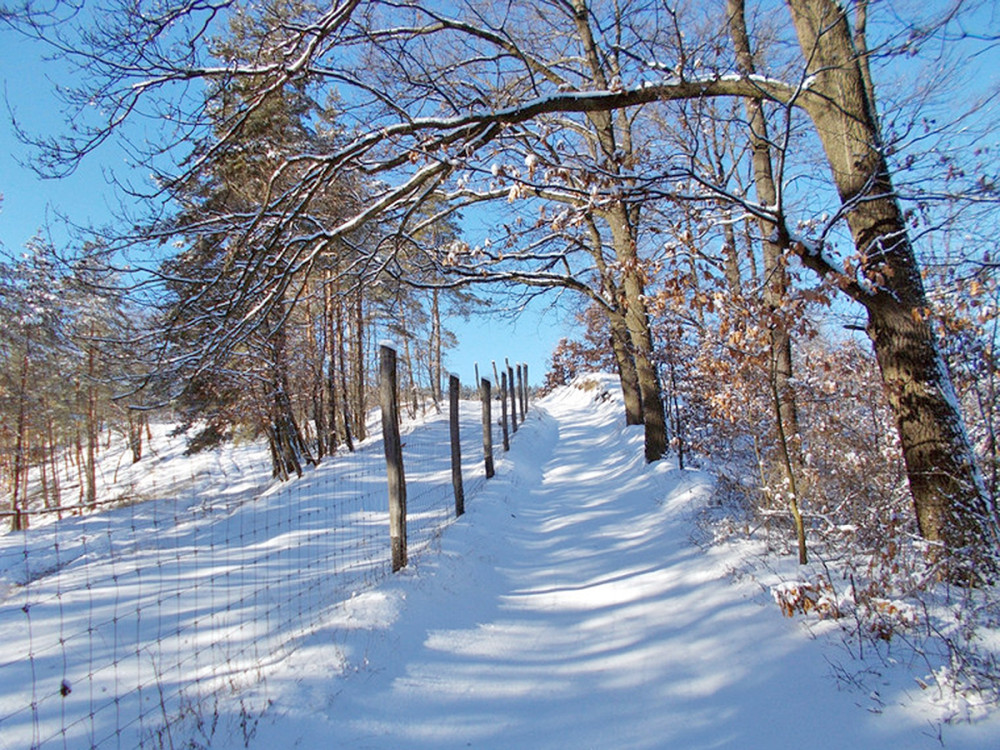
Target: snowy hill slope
{"x":115,"y":622}
{"x":571,"y":608}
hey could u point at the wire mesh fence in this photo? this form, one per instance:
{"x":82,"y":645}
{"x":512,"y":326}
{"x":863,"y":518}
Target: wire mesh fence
{"x":114,"y":623}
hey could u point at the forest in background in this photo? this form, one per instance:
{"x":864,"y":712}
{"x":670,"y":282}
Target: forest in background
{"x":780,"y":220}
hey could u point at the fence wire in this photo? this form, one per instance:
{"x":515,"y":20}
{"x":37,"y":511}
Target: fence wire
{"x":113,"y":623}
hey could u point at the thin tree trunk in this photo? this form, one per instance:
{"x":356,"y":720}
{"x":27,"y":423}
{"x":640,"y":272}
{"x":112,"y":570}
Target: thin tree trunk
{"x":289,"y":449}
{"x":774,"y":234}
{"x":19,"y":521}
{"x":92,"y":427}
{"x":748,"y":238}
{"x":43,"y":460}
{"x":79,"y":448}
{"x":135,"y":425}
{"x":436,"y":374}
{"x":794,"y":504}
{"x":316,"y":384}
{"x":344,"y":391}
{"x":731,"y":259}
{"x":54,"y":459}
{"x":622,"y":220}
{"x":330,"y":341}
{"x":411,"y":385}
{"x":360,"y":428}
{"x":674,"y":404}
{"x":775,"y":242}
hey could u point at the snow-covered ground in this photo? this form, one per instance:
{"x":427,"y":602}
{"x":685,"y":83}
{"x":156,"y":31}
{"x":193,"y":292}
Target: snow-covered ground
{"x":113,"y":622}
{"x":570,"y":607}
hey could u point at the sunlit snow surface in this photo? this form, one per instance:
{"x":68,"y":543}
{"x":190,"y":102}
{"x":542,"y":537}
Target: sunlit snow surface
{"x":569,"y":607}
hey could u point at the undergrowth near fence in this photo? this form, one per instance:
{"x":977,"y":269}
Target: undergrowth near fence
{"x":889,"y":604}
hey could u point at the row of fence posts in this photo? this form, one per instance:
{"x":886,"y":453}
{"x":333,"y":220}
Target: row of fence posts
{"x":516,"y":391}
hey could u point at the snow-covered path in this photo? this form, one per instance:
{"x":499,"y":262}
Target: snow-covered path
{"x":571,"y":608}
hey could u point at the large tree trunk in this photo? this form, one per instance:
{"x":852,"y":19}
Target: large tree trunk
{"x":951,"y":506}
{"x":621,"y":343}
{"x":650,"y":392}
{"x":641,"y":337}
{"x":622,"y":348}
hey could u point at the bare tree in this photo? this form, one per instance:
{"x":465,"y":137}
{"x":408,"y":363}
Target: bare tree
{"x":424,"y":118}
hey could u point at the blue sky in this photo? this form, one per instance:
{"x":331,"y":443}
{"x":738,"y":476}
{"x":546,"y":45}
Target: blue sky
{"x":32,"y":205}
{"x":28,"y":200}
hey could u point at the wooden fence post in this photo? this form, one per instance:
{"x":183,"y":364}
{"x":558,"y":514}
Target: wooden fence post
{"x":520,"y":388}
{"x":524,"y":404}
{"x":513,"y":396}
{"x":487,"y":427}
{"x":393,"y":454}
{"x":456,"y":446}
{"x":503,"y":411}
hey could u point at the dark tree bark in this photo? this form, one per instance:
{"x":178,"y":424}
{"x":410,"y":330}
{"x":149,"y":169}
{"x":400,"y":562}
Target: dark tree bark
{"x":621,"y":346}
{"x":136,"y":422}
{"x":288,"y":448}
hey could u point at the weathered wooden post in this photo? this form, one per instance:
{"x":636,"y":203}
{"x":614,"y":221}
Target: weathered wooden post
{"x":520,"y":388}
{"x":487,"y":427}
{"x":456,"y":446}
{"x":524,"y":405}
{"x":496,"y":375}
{"x":393,"y":454}
{"x":513,"y":396}
{"x":503,"y":412}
